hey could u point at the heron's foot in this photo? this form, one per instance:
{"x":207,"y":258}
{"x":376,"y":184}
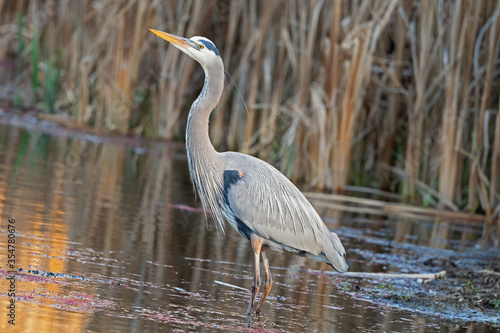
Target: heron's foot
{"x":256,"y":323}
{"x":255,"y":291}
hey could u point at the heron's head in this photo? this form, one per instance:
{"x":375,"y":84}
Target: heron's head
{"x":200,"y":49}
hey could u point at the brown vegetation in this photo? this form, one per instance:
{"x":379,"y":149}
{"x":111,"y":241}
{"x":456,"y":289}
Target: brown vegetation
{"x":394,"y":95}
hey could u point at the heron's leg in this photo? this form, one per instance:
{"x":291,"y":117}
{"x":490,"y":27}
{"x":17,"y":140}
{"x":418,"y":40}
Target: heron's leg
{"x":269,"y":280}
{"x":256,"y":246}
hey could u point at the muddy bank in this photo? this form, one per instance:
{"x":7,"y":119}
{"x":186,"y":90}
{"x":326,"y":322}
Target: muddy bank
{"x":469,"y":292}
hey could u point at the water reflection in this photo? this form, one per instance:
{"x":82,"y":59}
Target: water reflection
{"x":119,"y":227}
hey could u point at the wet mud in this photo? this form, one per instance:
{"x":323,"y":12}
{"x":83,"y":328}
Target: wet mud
{"x":468,"y":292}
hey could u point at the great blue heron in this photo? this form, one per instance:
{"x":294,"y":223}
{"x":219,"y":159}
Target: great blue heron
{"x":255,"y":198}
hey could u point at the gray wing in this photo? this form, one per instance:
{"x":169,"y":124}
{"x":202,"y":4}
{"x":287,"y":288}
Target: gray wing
{"x":272,"y":207}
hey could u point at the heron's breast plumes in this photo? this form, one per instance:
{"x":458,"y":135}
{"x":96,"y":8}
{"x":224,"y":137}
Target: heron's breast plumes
{"x":207,"y":177}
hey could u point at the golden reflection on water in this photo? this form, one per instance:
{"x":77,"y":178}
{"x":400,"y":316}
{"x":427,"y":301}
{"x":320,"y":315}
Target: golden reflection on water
{"x":41,"y":234}
{"x":107,"y":213}
{"x":63,"y":191}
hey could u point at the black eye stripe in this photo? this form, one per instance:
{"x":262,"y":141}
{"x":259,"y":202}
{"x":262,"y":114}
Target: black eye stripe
{"x":210,"y":46}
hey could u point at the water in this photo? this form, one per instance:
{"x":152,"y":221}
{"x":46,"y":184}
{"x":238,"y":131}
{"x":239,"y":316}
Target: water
{"x":109,"y":237}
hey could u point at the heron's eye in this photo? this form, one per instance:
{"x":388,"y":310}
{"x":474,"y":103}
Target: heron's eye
{"x":201,"y":46}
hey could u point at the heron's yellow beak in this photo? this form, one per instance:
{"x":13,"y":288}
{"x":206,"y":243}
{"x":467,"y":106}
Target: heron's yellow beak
{"x":176,"y":40}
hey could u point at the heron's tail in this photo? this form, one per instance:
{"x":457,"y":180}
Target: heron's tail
{"x":336,"y":255}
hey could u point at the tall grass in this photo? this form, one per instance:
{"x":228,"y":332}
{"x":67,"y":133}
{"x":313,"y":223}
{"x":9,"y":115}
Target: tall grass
{"x":393,"y":95}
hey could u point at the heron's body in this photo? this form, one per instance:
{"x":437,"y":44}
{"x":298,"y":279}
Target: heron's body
{"x":255,"y":198}
{"x":261,"y":201}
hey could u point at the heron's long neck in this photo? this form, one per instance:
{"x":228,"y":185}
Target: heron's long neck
{"x":197,"y":138}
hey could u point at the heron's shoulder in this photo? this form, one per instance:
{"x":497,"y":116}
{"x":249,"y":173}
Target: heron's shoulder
{"x":247,"y":164}
{"x":259,"y":178}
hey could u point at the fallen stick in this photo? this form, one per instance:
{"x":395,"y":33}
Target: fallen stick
{"x":487,"y":271}
{"x":372,"y":206}
{"x":230,"y":285}
{"x":421,"y":277}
